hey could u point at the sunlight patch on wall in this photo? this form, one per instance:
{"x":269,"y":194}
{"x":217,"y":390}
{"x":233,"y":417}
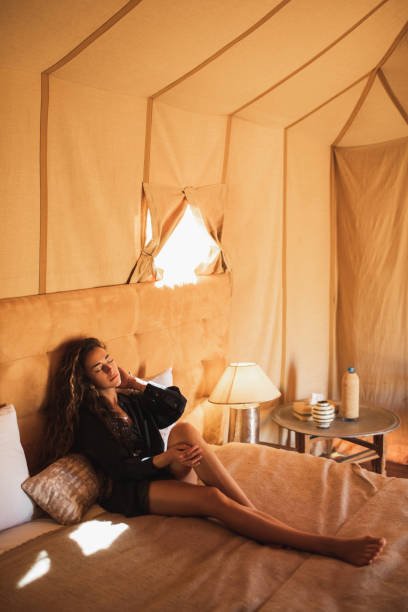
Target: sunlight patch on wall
{"x":93,"y":536}
{"x":190,"y":246}
{"x":39,"y":568}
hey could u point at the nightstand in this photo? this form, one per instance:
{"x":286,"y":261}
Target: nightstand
{"x":374,"y":422}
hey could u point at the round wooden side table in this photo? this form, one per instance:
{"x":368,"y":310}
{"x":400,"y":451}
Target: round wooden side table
{"x":372,"y":421}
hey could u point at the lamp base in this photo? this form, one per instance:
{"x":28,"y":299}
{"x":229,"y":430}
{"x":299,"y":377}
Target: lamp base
{"x":244,"y":424}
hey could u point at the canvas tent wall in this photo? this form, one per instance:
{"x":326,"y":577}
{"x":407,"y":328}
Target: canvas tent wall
{"x":98,"y":97}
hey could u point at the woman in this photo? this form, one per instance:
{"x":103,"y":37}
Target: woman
{"x":120,"y":435}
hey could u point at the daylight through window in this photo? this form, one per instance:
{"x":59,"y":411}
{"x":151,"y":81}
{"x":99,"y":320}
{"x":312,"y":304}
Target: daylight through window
{"x":189,"y":247}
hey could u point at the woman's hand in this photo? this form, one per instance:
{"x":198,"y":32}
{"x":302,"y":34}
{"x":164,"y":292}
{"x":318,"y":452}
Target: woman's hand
{"x":130,"y":382}
{"x":184,"y":454}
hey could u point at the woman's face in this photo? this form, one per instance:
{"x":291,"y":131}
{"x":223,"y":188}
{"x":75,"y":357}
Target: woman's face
{"x":101,"y":369}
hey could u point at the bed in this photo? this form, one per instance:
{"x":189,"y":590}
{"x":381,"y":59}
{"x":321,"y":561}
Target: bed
{"x":105,"y":561}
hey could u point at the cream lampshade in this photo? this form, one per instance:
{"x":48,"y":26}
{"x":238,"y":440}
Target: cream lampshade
{"x":242,"y":387}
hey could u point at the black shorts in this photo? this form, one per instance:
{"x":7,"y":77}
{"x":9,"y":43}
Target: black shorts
{"x":131,"y":497}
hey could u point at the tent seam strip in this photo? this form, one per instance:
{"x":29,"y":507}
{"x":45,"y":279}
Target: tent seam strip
{"x":284,"y":278}
{"x":313,"y":59}
{"x":391,"y":94}
{"x":44,"y":107}
{"x":369,"y":84}
{"x":337,"y":95}
{"x":148,"y":140}
{"x":357,"y":107}
{"x":333,"y":287}
{"x":226,"y":149}
{"x":224,"y":49}
{"x":107,"y":25}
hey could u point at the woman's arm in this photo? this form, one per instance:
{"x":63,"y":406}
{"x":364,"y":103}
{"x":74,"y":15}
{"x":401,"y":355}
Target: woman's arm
{"x":166,"y":405}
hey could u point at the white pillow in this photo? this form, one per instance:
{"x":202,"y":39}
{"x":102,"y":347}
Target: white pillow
{"x":16,"y":507}
{"x":164,"y":379}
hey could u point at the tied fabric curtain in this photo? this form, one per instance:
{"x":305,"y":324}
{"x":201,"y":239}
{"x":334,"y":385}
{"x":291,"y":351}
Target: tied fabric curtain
{"x":210,"y":201}
{"x":166,"y":205}
{"x":371,"y":184}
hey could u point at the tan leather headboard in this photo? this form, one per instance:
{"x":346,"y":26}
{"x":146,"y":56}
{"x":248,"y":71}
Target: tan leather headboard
{"x":146,"y":328}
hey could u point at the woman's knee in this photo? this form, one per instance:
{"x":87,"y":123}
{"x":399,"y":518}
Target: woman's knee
{"x":185,"y":432}
{"x":214,"y":500}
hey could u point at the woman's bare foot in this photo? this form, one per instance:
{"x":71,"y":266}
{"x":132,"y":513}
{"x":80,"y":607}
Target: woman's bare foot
{"x":358,"y":551}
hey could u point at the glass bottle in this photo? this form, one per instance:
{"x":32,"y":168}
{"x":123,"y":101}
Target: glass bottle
{"x":350,"y":395}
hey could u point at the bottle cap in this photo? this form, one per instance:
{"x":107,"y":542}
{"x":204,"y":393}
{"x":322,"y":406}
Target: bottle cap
{"x":351,"y":370}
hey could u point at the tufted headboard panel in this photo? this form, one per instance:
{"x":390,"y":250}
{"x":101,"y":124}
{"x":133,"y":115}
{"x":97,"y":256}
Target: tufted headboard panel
{"x":146,"y":328}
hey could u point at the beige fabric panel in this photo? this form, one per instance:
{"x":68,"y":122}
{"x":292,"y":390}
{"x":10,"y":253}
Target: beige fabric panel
{"x":157,"y":42}
{"x":35,"y":35}
{"x":148,"y":329}
{"x":95,"y":165}
{"x":378,"y":120}
{"x":277,"y":49}
{"x":186,"y":148}
{"x":19,"y":187}
{"x":253,"y":241}
{"x":308,"y":247}
{"x":372,"y":188}
{"x":341,"y":66}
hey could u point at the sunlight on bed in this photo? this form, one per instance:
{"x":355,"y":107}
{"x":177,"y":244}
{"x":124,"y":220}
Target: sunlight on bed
{"x":39,"y":568}
{"x":97,"y":535}
{"x":189,"y":247}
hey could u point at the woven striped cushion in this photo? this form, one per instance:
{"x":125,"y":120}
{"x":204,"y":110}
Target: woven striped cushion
{"x":65,"y":489}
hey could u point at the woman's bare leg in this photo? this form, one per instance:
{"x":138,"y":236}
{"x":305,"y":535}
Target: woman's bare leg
{"x":182,"y":499}
{"x":210,"y":471}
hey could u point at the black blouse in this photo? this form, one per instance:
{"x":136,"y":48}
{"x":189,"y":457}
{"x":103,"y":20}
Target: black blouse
{"x":128,"y":454}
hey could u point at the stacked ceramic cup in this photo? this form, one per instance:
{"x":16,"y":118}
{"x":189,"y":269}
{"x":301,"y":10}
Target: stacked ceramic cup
{"x":323,"y":414}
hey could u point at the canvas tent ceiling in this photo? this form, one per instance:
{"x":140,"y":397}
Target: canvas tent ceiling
{"x":99,"y":95}
{"x":217,"y":57}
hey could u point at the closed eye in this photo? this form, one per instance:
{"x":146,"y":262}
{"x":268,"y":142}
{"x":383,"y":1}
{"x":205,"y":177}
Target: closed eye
{"x":99,"y":366}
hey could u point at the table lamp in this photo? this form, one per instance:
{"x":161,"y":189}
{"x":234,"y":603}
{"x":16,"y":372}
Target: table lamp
{"x":242,"y":387}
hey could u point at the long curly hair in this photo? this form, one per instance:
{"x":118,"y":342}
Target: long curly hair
{"x":68,"y":388}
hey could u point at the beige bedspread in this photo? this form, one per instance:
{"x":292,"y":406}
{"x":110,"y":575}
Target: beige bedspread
{"x":165,"y":564}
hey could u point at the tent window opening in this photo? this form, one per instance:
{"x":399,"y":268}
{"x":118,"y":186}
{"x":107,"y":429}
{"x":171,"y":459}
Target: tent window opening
{"x":189,"y":250}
